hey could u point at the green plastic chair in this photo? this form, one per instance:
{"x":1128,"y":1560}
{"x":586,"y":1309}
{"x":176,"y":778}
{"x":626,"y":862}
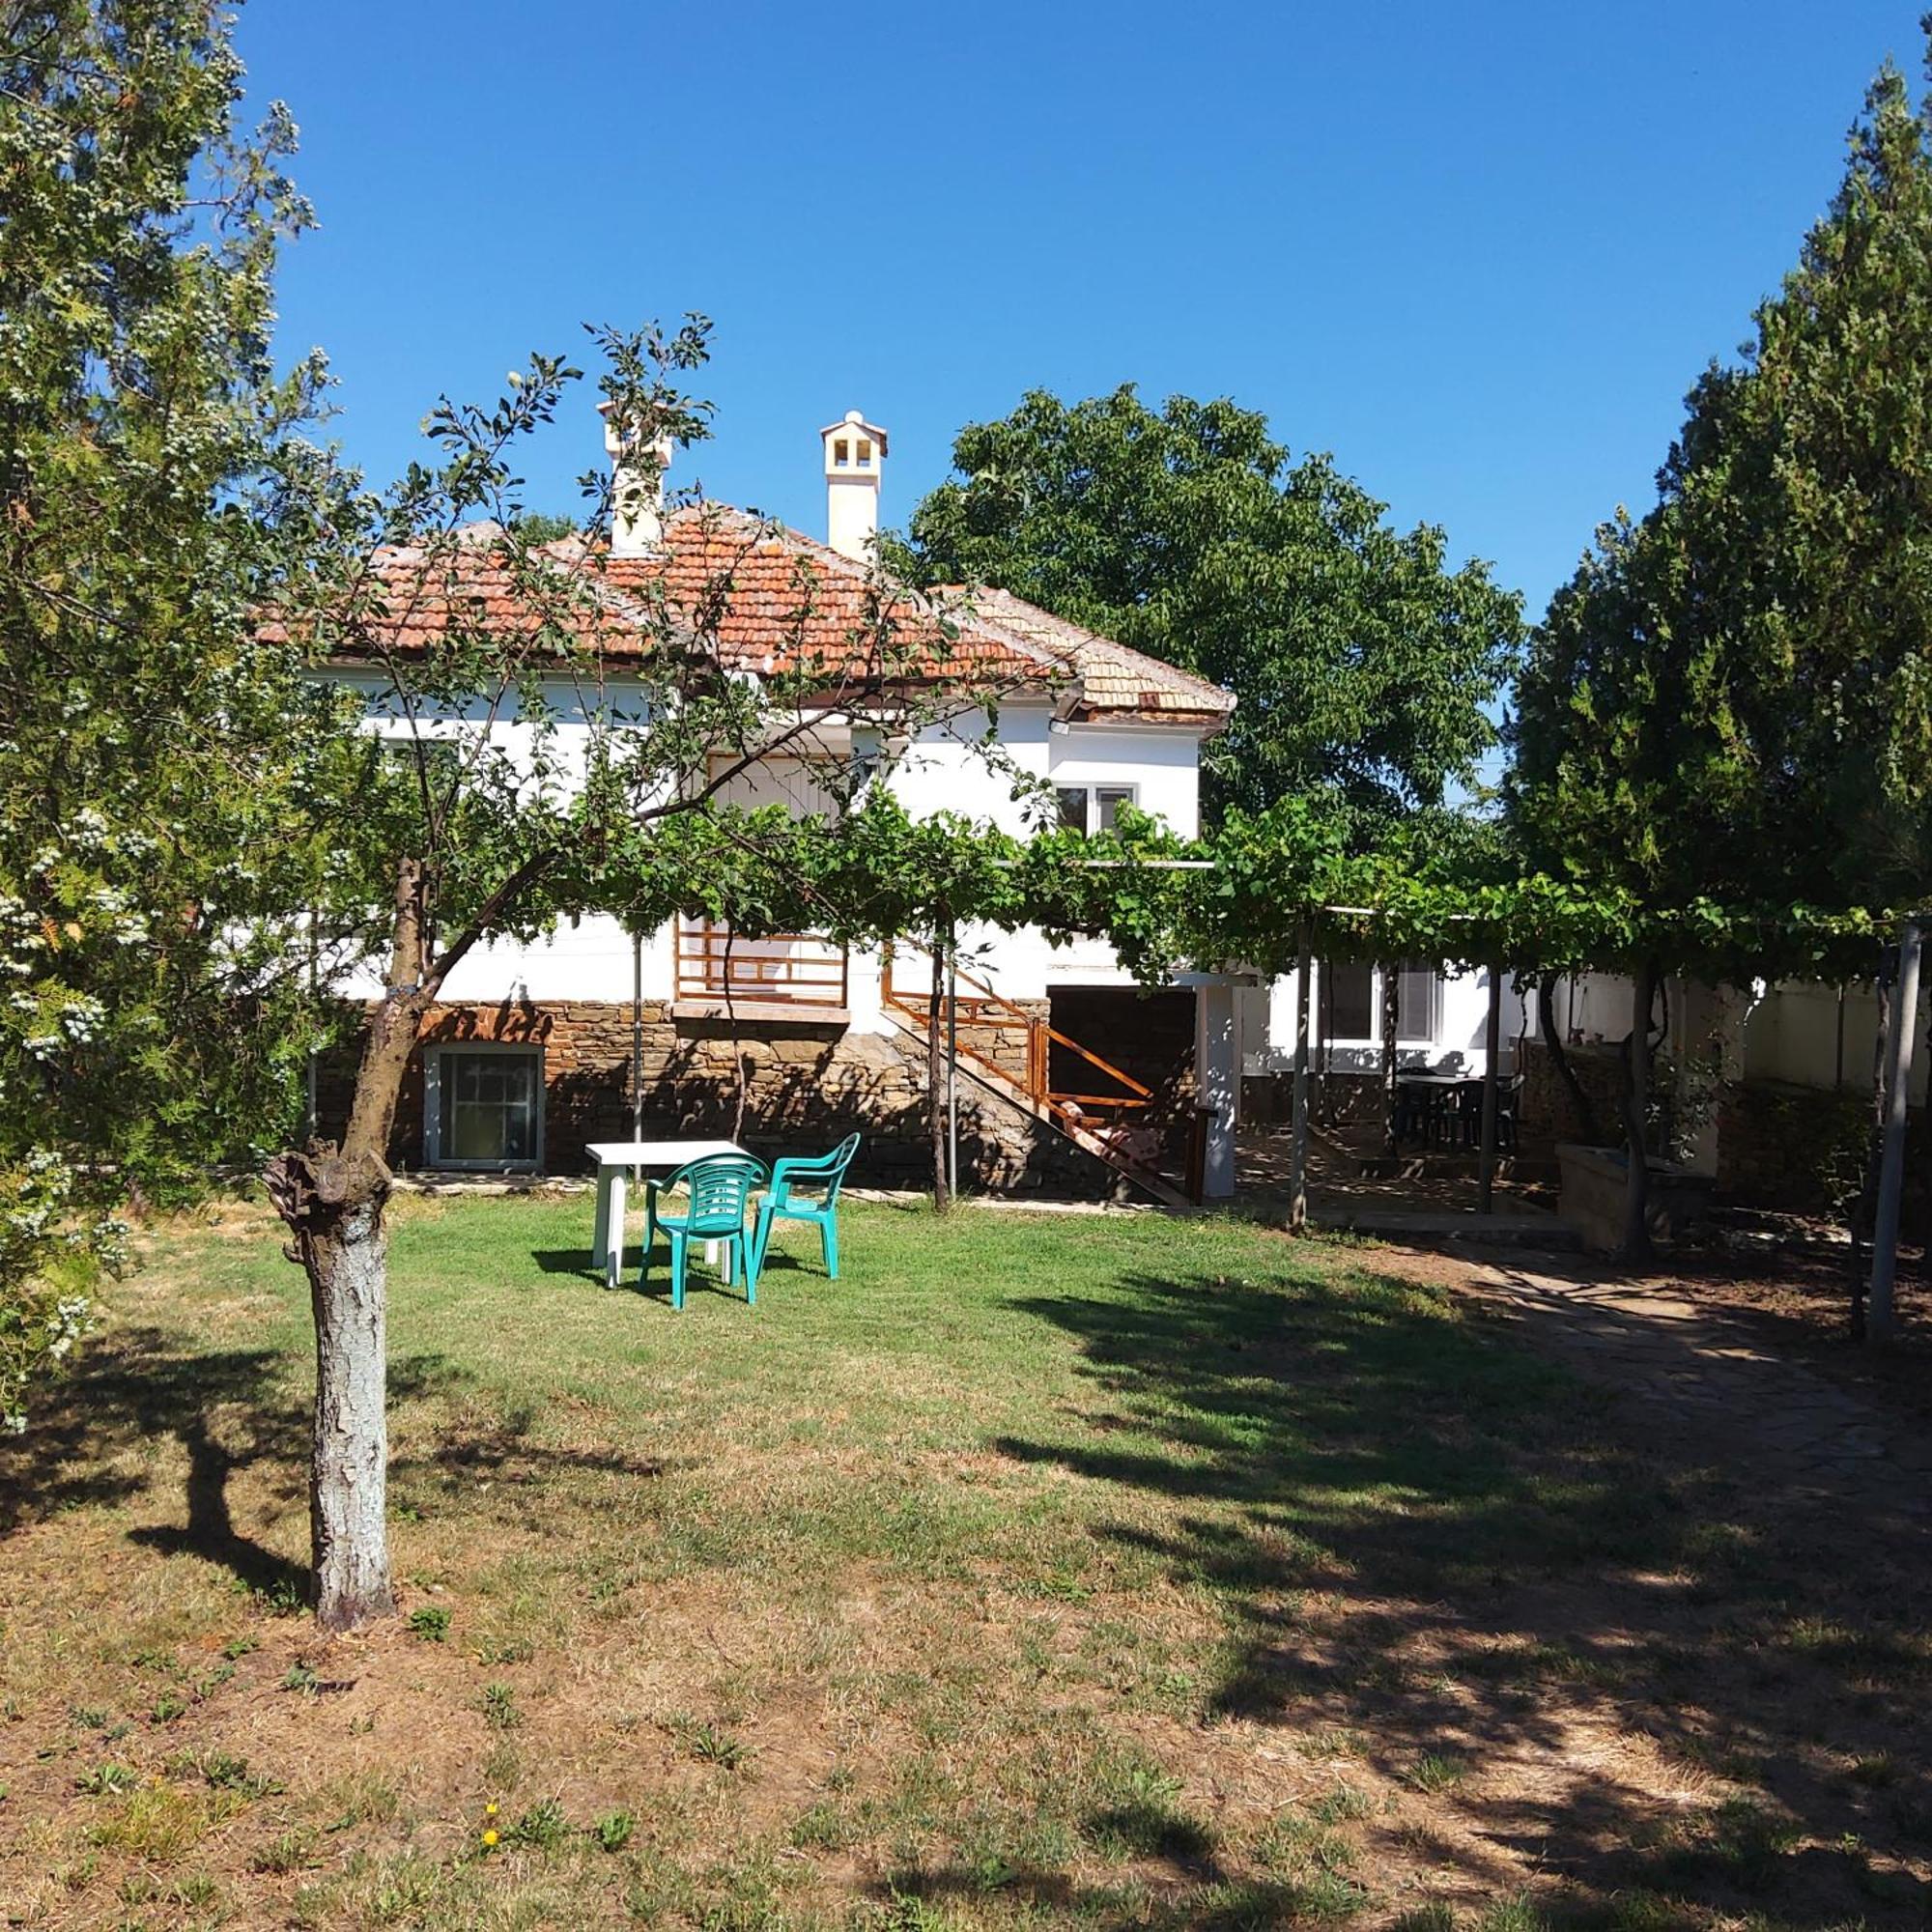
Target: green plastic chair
{"x":720,"y":1190}
{"x":821,"y":1176}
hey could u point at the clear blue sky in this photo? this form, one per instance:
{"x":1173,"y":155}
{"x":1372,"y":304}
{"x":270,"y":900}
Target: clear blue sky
{"x":1478,"y":250}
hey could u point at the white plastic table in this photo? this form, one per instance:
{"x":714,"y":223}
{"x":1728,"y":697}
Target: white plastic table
{"x":616,"y":1160}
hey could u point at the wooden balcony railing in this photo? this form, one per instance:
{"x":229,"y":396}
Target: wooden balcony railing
{"x":780,"y":968}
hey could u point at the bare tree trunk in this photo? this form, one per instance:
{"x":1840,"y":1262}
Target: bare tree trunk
{"x":1559,"y":1057}
{"x":1391,"y":1019}
{"x":348,"y":1266}
{"x":1633,"y":1101}
{"x":1882,"y":1318}
{"x":333,"y":1204}
{"x":1864,"y":1208}
{"x":935,"y":1071}
{"x":740,"y":1081}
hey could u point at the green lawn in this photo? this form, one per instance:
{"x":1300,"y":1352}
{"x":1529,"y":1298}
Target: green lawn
{"x":1046,"y":1570}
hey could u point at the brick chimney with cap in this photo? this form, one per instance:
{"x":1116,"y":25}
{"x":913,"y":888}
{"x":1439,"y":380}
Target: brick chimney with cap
{"x":636,"y":507}
{"x":855,"y":453}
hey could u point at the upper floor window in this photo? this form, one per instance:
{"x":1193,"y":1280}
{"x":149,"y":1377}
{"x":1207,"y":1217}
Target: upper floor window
{"x":1353,"y":999}
{"x":1092,"y":809}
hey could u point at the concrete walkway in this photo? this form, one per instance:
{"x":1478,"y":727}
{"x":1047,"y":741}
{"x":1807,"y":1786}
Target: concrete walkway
{"x":1703,"y":1372}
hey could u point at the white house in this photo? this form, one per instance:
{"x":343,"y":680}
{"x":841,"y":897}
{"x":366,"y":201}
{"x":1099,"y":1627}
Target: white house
{"x":538,"y":1049}
{"x":1441,"y":1019}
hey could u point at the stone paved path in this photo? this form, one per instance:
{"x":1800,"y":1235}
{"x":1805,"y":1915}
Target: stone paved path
{"x":1703,"y":1372}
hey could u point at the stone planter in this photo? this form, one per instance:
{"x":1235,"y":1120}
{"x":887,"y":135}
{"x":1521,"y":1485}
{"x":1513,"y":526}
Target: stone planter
{"x":1592,"y":1197}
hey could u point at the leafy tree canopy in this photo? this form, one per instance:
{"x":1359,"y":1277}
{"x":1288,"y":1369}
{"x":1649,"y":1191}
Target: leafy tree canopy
{"x":156,"y":764}
{"x":1362,"y":663}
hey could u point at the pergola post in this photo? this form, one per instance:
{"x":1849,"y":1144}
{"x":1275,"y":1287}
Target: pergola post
{"x":637,"y":1036}
{"x":1492,"y":1046}
{"x":1882,"y":1319}
{"x":1297,"y":1170}
{"x":1217,"y":1078}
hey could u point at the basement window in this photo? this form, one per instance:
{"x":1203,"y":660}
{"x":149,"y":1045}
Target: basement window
{"x":483,"y":1107}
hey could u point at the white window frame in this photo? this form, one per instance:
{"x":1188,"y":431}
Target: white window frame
{"x":1374,"y":1036}
{"x":1093,"y":787}
{"x":1434,"y":1004}
{"x":433,"y":1106}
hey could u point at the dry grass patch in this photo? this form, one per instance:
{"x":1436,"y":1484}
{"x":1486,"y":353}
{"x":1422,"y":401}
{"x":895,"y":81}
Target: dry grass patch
{"x":1117,"y":1572}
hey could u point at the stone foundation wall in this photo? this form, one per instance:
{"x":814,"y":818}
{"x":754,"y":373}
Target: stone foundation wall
{"x":1549,"y":1111}
{"x":1803,"y":1149}
{"x":1268,"y":1100}
{"x":805,"y":1086}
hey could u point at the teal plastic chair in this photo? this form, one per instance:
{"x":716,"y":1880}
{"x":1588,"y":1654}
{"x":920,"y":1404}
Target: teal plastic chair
{"x":719,"y":1190}
{"x":822,"y":1176}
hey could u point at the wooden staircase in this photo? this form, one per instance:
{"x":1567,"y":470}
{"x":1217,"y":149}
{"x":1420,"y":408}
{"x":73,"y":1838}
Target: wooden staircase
{"x":1090,"y":1121}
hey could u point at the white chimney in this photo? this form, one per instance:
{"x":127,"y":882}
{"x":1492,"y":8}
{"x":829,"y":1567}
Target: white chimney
{"x":636,"y":489}
{"x":855,"y":452}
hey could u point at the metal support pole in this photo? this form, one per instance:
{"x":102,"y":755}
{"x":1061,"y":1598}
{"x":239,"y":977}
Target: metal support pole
{"x":952,"y":1070}
{"x":1297,"y":1172}
{"x":1881,"y":1322}
{"x":637,"y":1036}
{"x":1492,"y":1049}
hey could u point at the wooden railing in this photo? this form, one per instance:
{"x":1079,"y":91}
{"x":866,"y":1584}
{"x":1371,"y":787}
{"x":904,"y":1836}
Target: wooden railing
{"x":789,"y":968}
{"x":982,"y":1009}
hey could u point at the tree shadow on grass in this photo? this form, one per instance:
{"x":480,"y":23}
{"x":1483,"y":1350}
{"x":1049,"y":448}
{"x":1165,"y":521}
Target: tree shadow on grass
{"x":1422,"y":1535}
{"x":1205,"y":1900}
{"x":243,"y":1410}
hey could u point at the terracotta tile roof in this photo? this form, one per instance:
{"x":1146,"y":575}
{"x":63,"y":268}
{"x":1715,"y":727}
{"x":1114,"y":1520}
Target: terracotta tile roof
{"x":1114,"y":680}
{"x":778,"y":602}
{"x":774,"y":603}
{"x":414,"y":596}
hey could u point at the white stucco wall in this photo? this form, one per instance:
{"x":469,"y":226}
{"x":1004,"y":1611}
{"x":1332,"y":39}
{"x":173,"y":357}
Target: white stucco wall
{"x":944,"y":769}
{"x":1457,"y":1039}
{"x":1791,"y":1031}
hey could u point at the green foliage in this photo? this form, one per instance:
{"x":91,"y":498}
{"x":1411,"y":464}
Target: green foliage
{"x":499,"y":1707}
{"x":430,"y":1624}
{"x":614,"y":1829}
{"x":1434,"y":1772}
{"x":543,"y":1826}
{"x":710,"y":1743}
{"x":1362,"y":663}
{"x":48,"y":1261}
{"x":155,"y":841}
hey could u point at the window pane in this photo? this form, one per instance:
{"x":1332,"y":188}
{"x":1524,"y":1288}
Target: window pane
{"x":1109,"y":798}
{"x":488,"y":1107}
{"x":1416,"y":1002}
{"x":1351,"y":1001}
{"x":1072,"y":808}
